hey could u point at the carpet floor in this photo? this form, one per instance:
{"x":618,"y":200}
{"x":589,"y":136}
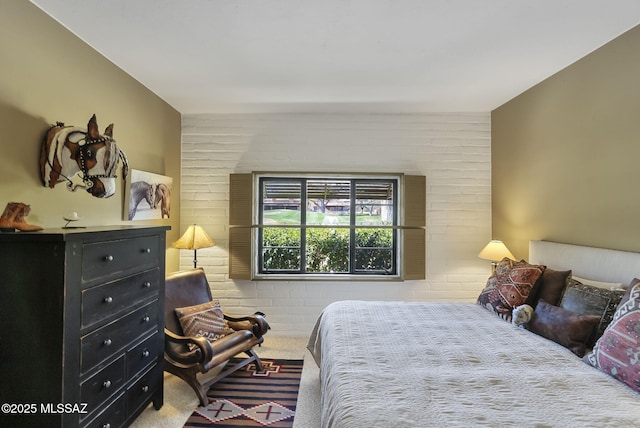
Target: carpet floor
{"x":253,"y":398}
{"x":180,"y":401}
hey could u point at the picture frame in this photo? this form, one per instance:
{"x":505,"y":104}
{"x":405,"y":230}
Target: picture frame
{"x":147,"y":196}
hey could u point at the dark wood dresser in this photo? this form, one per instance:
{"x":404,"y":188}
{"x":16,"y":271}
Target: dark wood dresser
{"x":81,"y":325}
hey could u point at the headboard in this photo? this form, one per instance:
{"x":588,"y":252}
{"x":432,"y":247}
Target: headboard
{"x":599,"y":264}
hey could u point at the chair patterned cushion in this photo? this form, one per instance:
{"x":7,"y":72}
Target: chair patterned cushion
{"x":204,"y":320}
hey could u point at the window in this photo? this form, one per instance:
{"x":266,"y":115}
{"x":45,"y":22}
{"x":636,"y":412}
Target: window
{"x":326,"y":226}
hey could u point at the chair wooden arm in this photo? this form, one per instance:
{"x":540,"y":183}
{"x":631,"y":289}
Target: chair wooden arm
{"x":256,"y":323}
{"x":199,"y":354}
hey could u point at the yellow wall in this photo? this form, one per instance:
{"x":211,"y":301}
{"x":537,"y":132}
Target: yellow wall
{"x":565,"y":155}
{"x":46,"y":75}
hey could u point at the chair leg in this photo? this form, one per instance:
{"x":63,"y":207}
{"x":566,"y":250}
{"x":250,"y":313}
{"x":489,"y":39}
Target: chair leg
{"x":189,"y":375}
{"x":202,"y":395}
{"x":252,"y":355}
{"x":190,"y":378}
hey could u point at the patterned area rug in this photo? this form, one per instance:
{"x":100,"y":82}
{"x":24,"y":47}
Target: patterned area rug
{"x":251,"y":398}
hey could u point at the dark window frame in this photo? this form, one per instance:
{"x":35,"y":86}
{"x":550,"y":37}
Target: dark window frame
{"x":301,"y":182}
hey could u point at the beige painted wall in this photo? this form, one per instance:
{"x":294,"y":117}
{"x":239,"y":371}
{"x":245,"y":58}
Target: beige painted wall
{"x":565,"y":155}
{"x":50,"y":75}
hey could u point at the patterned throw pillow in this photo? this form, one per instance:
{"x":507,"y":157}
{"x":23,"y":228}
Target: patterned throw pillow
{"x":509,"y":286}
{"x":206,"y":320}
{"x":590,"y":300}
{"x":624,"y":299}
{"x":617,"y":353}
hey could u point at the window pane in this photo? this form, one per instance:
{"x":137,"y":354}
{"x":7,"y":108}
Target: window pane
{"x":327,"y":250}
{"x":374,"y":250}
{"x":280,"y":249}
{"x":374,"y":202}
{"x":327,"y":225}
{"x":328,"y":202}
{"x":374,"y":261}
{"x":281,"y":201}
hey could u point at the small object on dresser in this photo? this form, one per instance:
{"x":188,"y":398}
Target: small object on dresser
{"x":12,"y":218}
{"x":70,"y":218}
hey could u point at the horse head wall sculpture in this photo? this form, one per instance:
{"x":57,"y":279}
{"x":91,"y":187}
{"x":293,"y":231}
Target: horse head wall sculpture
{"x":68,"y":151}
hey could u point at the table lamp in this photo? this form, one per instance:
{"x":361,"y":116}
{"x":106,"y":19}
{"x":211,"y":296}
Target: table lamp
{"x":193,"y":239}
{"x":495,"y":251}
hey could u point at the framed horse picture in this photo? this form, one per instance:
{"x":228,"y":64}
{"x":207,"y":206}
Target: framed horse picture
{"x":148,"y":196}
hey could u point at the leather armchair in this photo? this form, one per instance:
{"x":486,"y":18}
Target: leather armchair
{"x":190,"y":357}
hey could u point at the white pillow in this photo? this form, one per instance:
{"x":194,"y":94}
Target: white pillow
{"x":600,"y":284}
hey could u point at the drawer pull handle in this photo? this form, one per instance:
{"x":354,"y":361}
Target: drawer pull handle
{"x":147,"y":250}
{"x":145,"y":388}
{"x":108,"y":258}
{"x":146,"y":353}
{"x":146,"y":318}
{"x":147,"y":284}
{"x":107,"y":342}
{"x":108,"y":299}
{"x":106,"y":384}
{"x":107,"y":425}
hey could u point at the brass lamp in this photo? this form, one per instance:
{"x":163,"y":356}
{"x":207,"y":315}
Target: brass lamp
{"x":495,"y":251}
{"x":193,"y":239}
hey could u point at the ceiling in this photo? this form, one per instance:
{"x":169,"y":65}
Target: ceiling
{"x":223,"y":56}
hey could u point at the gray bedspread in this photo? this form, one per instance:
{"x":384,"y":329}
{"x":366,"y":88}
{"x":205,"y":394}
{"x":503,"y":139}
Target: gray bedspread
{"x":397,"y":364}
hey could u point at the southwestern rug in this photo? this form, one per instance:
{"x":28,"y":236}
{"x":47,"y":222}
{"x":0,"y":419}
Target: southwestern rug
{"x":252,"y":398}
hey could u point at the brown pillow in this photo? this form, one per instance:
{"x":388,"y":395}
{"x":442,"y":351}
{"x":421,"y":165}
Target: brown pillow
{"x":589,"y":300}
{"x":206,"y":320}
{"x":551,"y":287}
{"x":567,"y":328}
{"x":509,"y":286}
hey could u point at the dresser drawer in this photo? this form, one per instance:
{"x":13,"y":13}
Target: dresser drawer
{"x":103,"y":384}
{"x":143,"y":354}
{"x":141,"y":391}
{"x":112,"y":417}
{"x":113,"y":298}
{"x":103,"y":259}
{"x":115,"y":336}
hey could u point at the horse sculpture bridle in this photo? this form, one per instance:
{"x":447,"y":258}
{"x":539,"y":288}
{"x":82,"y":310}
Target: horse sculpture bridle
{"x":85,"y":144}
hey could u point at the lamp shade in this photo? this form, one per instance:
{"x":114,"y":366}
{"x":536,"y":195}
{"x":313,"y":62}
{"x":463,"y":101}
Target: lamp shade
{"x":193,"y":239}
{"x":495,"y":251}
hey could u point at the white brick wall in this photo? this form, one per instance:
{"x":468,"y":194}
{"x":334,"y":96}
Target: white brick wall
{"x":452,"y":150}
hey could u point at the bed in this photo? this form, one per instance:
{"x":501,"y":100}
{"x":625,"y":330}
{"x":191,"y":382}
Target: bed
{"x":429,"y":364}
